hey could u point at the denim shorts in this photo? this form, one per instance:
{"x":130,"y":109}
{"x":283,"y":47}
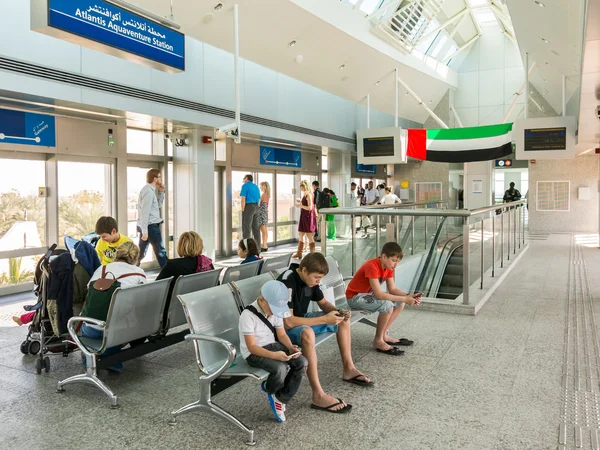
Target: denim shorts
{"x":368,"y":302}
{"x":295,"y":334}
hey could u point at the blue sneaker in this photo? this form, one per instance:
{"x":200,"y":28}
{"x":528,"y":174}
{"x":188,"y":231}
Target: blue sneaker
{"x":277,"y":407}
{"x":263,"y":386}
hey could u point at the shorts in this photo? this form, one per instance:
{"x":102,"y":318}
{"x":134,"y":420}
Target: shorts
{"x":368,"y":302}
{"x":295,"y":334}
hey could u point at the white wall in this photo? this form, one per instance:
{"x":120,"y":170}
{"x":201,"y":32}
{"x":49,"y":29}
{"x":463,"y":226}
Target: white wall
{"x":583,"y":214}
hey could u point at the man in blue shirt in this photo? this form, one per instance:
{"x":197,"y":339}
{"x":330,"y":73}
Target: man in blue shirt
{"x":149,"y":220}
{"x":250,"y":196}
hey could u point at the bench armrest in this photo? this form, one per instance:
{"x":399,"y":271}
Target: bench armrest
{"x":72,"y":326}
{"x":231,"y":353}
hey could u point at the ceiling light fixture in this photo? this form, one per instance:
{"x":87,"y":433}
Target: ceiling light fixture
{"x":540,"y":4}
{"x":545,"y":40}
{"x":406,"y":94}
{"x":292,"y":43}
{"x":218,"y":7}
{"x":548,"y":64}
{"x":343,"y":66}
{"x":377,"y":83}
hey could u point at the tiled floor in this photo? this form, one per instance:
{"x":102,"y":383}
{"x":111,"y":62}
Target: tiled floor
{"x":487,"y":382}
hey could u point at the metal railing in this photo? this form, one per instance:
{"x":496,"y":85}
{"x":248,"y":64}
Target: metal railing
{"x":511,"y":233}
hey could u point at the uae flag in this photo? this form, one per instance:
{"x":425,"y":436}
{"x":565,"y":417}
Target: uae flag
{"x":459,"y":144}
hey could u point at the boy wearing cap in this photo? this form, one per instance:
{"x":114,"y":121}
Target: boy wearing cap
{"x":265,"y":344}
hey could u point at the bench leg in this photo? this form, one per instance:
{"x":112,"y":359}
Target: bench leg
{"x":369,"y":322}
{"x":205,"y":403}
{"x":90,"y":377}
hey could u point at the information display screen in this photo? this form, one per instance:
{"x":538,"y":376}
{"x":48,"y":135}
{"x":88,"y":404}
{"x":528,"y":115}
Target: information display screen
{"x":540,"y":139}
{"x":378,"y":146}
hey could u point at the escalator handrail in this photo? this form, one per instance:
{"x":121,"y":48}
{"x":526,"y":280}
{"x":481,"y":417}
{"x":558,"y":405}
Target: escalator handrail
{"x":434,"y":244}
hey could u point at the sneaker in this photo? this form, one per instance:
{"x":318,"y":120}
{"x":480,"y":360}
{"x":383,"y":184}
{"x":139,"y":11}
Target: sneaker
{"x":277,"y":407}
{"x":263,"y":387}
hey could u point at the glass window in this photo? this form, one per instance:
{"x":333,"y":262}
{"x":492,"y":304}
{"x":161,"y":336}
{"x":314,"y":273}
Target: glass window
{"x":324,"y":162}
{"x":423,"y":47}
{"x":439,"y":45}
{"x":169,"y":188}
{"x":285,"y":204}
{"x":139,"y":141}
{"x":237,"y":180}
{"x":84,"y":195}
{"x":450,"y":51}
{"x":136,"y":180}
{"x":368,"y":6}
{"x":17,"y":270}
{"x":169,"y":147}
{"x":324,"y":180}
{"x":268,"y":178}
{"x":485,"y":16}
{"x":22,"y":210}
{"x":498,"y":185}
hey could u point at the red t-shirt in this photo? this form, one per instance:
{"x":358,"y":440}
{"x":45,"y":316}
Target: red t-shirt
{"x":360,"y":282}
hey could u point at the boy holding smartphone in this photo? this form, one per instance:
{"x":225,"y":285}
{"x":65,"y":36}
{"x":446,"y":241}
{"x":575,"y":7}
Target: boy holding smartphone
{"x":364,"y":293}
{"x":265,"y":344}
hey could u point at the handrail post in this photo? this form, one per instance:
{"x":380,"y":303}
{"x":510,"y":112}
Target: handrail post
{"x":515,"y":231}
{"x":493,"y":244}
{"x":397,"y":220}
{"x":466,"y":261}
{"x":508,"y":237}
{"x":412,"y":237}
{"x":481,"y":279}
{"x":377,"y":234}
{"x":425,"y":232}
{"x":501,"y":239}
{"x":353,"y":245}
{"x":519,"y":224}
{"x":523,"y":236}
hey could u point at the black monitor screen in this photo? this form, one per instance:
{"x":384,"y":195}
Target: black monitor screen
{"x":378,"y":146}
{"x":538,"y":139}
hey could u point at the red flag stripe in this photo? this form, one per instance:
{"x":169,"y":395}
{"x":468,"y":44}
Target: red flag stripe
{"x":417,"y":144}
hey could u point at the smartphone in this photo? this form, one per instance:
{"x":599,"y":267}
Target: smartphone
{"x":295,"y":355}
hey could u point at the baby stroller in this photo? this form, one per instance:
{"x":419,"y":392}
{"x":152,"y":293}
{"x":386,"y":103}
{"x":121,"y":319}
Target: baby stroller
{"x":61,"y":280}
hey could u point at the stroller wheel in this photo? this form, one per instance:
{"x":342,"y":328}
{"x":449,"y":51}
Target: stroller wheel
{"x":46,"y":364}
{"x":25,"y":347}
{"x":38,"y":366}
{"x":34,"y":347}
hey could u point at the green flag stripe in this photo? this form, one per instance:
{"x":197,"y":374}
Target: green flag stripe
{"x":453,"y":134}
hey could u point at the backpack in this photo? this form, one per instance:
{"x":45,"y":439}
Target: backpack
{"x":204,"y":264}
{"x":97,"y":301}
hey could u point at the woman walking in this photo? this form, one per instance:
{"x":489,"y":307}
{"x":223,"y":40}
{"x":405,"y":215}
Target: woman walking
{"x":263,"y":214}
{"x":308,"y":219}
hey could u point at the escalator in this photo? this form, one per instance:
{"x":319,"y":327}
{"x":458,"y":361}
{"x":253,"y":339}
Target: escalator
{"x":451,"y":285}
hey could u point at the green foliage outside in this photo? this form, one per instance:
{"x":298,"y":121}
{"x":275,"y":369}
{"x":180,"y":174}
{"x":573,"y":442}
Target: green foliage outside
{"x":78,"y":214}
{"x":15,"y":275}
{"x":13,"y":207}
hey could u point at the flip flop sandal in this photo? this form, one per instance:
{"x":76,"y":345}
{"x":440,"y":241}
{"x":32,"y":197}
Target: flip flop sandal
{"x":343,"y":410}
{"x":403,"y":341}
{"x":357,"y":380}
{"x":391,"y":351}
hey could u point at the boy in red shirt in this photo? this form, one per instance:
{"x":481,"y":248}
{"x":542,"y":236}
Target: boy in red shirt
{"x":364,"y":293}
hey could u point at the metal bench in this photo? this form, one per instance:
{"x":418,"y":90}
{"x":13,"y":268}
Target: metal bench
{"x":213,"y":316}
{"x":241,"y":272}
{"x":184,"y":285}
{"x":248,"y":290}
{"x":278,"y":264}
{"x":135,"y":312}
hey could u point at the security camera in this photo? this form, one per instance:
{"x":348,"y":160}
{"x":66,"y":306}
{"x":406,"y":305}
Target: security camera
{"x":178,"y":139}
{"x":230,"y":130}
{"x":598,"y":112}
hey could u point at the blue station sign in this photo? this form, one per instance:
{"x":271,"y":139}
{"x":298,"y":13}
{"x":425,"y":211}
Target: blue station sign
{"x":271,"y":156}
{"x":122,"y":33}
{"x":370,"y":169}
{"x":23,"y":128}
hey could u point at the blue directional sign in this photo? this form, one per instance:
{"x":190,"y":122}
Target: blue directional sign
{"x":27,"y":129}
{"x":270,"y":156}
{"x":116,"y":27}
{"x":370,"y":169}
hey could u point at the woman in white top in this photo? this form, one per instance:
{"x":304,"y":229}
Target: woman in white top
{"x":389,"y":198}
{"x":125,"y":262}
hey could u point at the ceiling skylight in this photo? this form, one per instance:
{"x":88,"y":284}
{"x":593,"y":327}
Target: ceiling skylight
{"x":368,"y":6}
{"x":485,"y":16}
{"x":478,"y":3}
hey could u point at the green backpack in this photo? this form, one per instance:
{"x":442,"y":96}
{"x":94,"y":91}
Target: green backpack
{"x":97,"y":301}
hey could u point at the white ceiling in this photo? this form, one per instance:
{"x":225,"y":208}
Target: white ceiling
{"x":266,"y":28}
{"x":560,"y":22}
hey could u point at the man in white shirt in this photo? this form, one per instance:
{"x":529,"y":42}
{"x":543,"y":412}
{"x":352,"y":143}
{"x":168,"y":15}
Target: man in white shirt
{"x":372,"y":195}
{"x":148,"y":224}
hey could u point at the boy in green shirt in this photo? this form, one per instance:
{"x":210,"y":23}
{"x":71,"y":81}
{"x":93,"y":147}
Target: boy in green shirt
{"x":110,"y":239}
